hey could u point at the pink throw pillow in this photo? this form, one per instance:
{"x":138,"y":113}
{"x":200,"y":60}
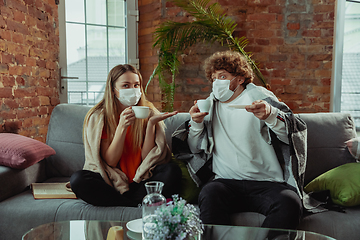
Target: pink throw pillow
{"x":17,"y":151}
{"x":354,"y":147}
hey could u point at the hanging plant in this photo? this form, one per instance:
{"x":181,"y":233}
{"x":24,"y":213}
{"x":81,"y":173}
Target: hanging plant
{"x":172,"y":38}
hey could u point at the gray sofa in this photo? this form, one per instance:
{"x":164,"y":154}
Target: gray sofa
{"x":19,"y":212}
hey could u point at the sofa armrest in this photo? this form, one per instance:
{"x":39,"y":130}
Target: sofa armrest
{"x":15,"y":181}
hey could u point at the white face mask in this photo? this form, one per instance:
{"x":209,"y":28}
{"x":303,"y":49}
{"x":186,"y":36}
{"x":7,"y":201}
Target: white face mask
{"x":129,"y":96}
{"x":221,"y":89}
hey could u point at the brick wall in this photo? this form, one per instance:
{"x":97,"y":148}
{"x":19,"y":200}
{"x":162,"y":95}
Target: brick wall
{"x":29,"y":50}
{"x":291,"y":39}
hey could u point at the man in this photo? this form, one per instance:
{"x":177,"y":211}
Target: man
{"x":257,"y":154}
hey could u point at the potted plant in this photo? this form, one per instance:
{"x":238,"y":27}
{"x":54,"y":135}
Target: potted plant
{"x":210,"y":25}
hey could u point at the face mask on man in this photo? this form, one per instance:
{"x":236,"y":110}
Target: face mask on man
{"x":221,"y":89}
{"x":129,"y":96}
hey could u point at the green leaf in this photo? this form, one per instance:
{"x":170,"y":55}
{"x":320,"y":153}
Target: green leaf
{"x":210,"y":25}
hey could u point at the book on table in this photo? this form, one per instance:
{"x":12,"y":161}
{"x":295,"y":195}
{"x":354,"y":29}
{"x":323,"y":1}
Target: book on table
{"x":52,"y":190}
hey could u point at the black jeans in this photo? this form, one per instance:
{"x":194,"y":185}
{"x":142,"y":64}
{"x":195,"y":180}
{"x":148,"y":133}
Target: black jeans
{"x":277,"y":201}
{"x":91,"y":187}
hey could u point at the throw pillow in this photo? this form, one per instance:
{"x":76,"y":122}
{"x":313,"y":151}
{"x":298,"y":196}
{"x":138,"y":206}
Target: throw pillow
{"x":189,"y":190}
{"x":343,"y":182}
{"x":17,"y":151}
{"x":354,"y":147}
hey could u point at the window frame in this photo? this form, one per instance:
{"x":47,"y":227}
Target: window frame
{"x":131,"y":32}
{"x":335,"y":100}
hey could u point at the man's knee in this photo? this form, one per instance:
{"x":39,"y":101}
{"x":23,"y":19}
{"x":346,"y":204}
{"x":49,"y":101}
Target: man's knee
{"x":212,"y":191}
{"x":291,"y":203}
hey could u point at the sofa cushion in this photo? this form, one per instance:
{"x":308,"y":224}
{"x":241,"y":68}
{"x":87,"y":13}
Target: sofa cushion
{"x":343,"y":183}
{"x":326,"y":137}
{"x":189,"y":190}
{"x":354,"y":147}
{"x":65,"y":136}
{"x":20,"y":152}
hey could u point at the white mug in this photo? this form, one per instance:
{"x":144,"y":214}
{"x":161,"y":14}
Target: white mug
{"x":141,"y":111}
{"x":203,"y":105}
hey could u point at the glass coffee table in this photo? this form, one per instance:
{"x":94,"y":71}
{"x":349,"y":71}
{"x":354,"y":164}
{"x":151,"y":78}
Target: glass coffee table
{"x":98,"y":230}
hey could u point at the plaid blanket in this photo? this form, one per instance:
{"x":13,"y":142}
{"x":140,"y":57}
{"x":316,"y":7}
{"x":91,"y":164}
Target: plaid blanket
{"x":292,"y":156}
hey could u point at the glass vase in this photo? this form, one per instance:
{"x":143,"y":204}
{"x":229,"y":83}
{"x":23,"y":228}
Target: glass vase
{"x":153,"y":200}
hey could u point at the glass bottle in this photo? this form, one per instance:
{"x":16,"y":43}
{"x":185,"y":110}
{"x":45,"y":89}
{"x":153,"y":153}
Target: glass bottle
{"x":151,"y":202}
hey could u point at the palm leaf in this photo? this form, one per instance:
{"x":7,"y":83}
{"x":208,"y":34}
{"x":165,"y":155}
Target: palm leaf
{"x":172,"y":38}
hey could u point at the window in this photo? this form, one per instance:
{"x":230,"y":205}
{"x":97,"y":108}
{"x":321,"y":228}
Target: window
{"x":95,"y":35}
{"x":347,"y":60}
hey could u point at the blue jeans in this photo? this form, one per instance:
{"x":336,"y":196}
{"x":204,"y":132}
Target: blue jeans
{"x":277,"y":201}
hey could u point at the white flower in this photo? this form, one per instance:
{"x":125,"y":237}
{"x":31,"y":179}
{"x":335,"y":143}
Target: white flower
{"x":176,"y":220}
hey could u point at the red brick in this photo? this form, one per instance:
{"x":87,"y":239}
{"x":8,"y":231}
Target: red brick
{"x":29,"y":2}
{"x":262,"y":41}
{"x":278,"y":73}
{"x":20,"y":81}
{"x":44,"y":91}
{"x":51,"y":65}
{"x":36,"y":13}
{"x":280,"y":82}
{"x":324,"y":8}
{"x":261,"y":3}
{"x":42,"y":110}
{"x":276,"y":41}
{"x":7,"y":114}
{"x":14,"y":48}
{"x":321,"y":89}
{"x":11,"y":103}
{"x":276,"y":9}
{"x":269,"y":17}
{"x":17,"y":27}
{"x":278,"y":57}
{"x":311,"y":33}
{"x":18,"y":38}
{"x":7,"y":58}
{"x":6,"y":35}
{"x":288,"y":49}
{"x":16,"y":5}
{"x":293,"y":26}
{"x":323,"y":73}
{"x":320,"y":57}
{"x":54,"y":101}
{"x":35,"y":102}
{"x":327,"y":32}
{"x":19,"y":16}
{"x":20,"y":59}
{"x":296,"y":8}
{"x":24,"y":92}
{"x":25,"y":113}
{"x":2,"y":22}
{"x":4,"y":68}
{"x":25,"y":102}
{"x":8,"y":81}
{"x":6,"y":92}
{"x":44,"y":101}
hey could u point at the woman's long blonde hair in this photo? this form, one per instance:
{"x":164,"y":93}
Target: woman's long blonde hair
{"x":110,"y":106}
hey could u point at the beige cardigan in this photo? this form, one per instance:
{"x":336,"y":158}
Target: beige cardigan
{"x":114,"y":176}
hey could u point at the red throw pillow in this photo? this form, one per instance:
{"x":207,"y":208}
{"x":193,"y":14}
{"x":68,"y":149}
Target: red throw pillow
{"x":20,"y":152}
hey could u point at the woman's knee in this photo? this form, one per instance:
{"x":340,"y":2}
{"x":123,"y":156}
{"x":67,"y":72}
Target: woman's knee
{"x":81,"y":178}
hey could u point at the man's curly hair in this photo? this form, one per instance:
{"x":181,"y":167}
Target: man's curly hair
{"x":233,"y":62}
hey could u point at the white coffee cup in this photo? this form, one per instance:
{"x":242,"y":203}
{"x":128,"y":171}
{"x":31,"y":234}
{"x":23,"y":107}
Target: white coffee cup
{"x":141,"y":111}
{"x":203,"y":105}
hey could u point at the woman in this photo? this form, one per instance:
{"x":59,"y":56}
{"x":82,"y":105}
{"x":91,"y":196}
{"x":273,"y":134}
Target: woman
{"x":123,"y":152}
